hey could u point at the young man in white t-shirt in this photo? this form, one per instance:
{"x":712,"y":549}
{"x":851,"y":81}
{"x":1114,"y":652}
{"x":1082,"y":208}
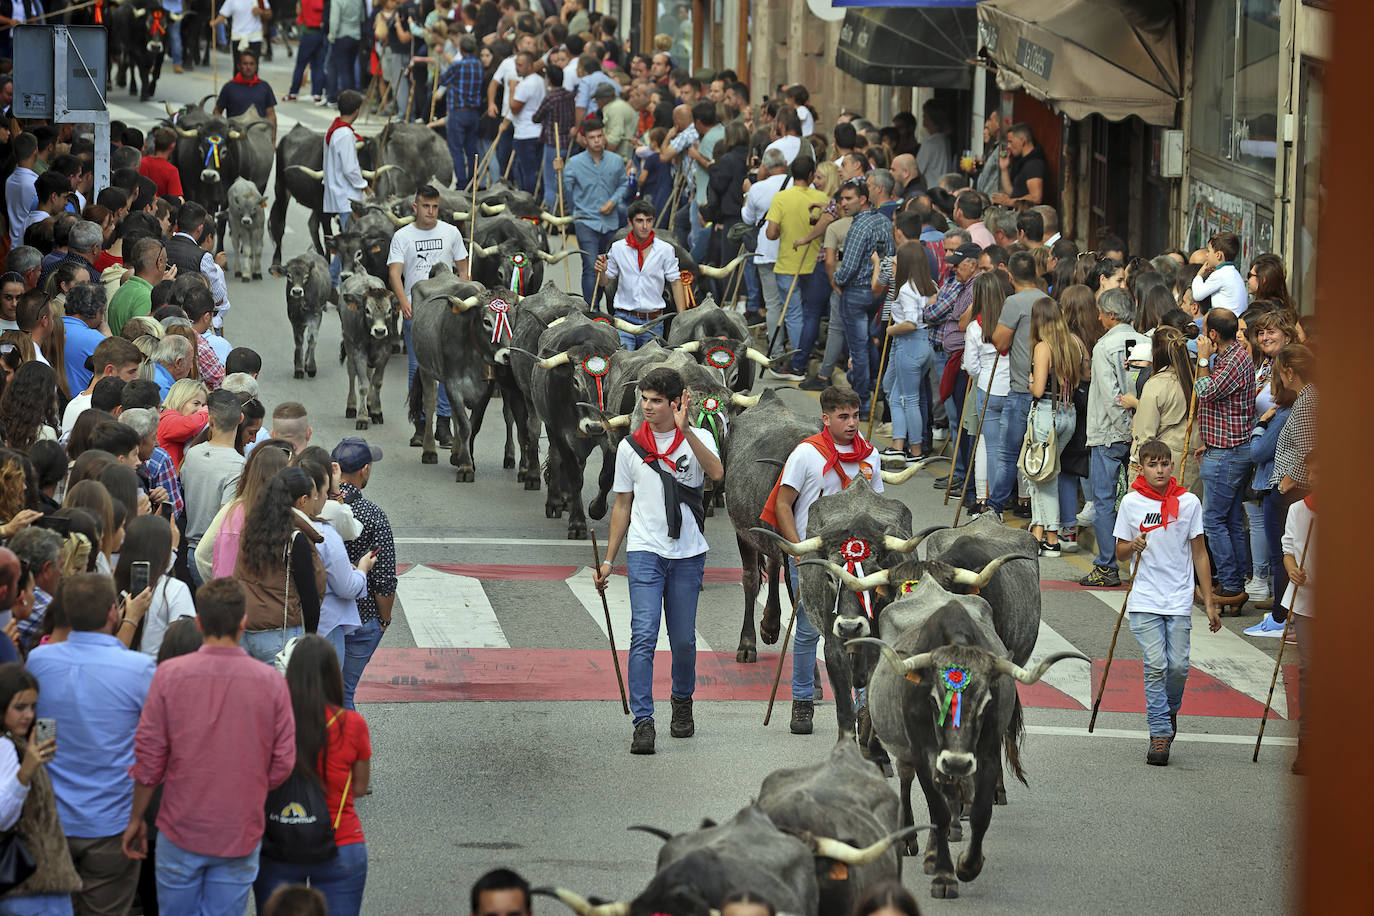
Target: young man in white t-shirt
{"x":1162,"y":522}
{"x":820,"y":465}
{"x":524,"y":102}
{"x":659,"y":514}
{"x":415,"y":250}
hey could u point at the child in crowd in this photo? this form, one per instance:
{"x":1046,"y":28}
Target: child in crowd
{"x":655,"y":176}
{"x":1300,"y":562}
{"x":1162,"y":523}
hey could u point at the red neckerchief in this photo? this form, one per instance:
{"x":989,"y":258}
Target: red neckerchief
{"x":1168,"y":500}
{"x":1310,"y":501}
{"x":338,"y":122}
{"x":640,"y":247}
{"x":825,"y":444}
{"x":238,"y":78}
{"x":645,"y":437}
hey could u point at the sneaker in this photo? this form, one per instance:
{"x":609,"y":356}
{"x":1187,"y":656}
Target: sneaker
{"x":643,"y":742}
{"x":1267,"y":626}
{"x":942,"y":482}
{"x":1049,"y":550}
{"x":1086,"y":515}
{"x":1101,"y":577}
{"x":325,"y":103}
{"x":1158,"y":755}
{"x":1022,"y":510}
{"x":786,"y":375}
{"x":1257,"y":589}
{"x":289,"y":97}
{"x":978,"y":509}
{"x":891,"y":452}
{"x":317,"y":99}
{"x":803,"y":714}
{"x":1068,"y":540}
{"x":682,"y":725}
{"x":940,"y":433}
{"x":814,"y":383}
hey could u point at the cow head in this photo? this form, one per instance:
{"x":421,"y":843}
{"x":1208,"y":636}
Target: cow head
{"x":297,"y":272}
{"x":151,"y":22}
{"x":369,"y":296}
{"x":901,"y":579}
{"x":215,"y":154}
{"x":504,"y":245}
{"x":348,"y":246}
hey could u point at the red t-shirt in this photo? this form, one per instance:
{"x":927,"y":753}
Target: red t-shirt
{"x":163,"y":174}
{"x":348,"y":743}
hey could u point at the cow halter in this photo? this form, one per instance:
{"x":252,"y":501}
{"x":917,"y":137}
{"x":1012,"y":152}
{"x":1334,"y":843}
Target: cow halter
{"x":597,"y":366}
{"x":501,"y":308}
{"x":855,"y":551}
{"x":517,"y":275}
{"x":956,"y":681}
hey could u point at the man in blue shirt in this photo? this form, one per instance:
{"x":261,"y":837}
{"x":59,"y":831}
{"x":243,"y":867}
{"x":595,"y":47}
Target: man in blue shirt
{"x":84,"y":325}
{"x":595,"y":184}
{"x":95,"y":688}
{"x":870,"y":233}
{"x":246,"y":91}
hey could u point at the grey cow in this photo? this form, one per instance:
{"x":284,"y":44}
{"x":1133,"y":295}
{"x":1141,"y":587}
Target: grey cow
{"x":365,"y":304}
{"x":247,"y":220}
{"x":308,"y":291}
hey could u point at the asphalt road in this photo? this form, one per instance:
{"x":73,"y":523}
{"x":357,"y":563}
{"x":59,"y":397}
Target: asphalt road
{"x":540,"y":778}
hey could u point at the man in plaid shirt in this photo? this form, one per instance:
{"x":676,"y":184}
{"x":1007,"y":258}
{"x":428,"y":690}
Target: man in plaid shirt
{"x":870,"y":232}
{"x":1225,"y":389}
{"x":199,"y":306}
{"x":555,"y":114}
{"x":463,"y":80}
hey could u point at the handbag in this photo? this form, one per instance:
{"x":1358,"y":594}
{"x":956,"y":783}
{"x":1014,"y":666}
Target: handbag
{"x":283,"y":656}
{"x":298,"y":829}
{"x":1039,"y":461}
{"x":16,"y":862}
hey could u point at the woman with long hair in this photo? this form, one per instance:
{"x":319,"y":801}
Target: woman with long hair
{"x":27,"y":803}
{"x":218,"y":550}
{"x":725,"y":192}
{"x":993,"y":380}
{"x":28,"y":408}
{"x":92,"y":496}
{"x":344,"y":583}
{"x":183,"y":416}
{"x":1268,"y":279}
{"x":1080,"y":312}
{"x":334,"y":750}
{"x":55,"y":348}
{"x":905,"y":280}
{"x":1057,"y":359}
{"x":277,"y":565}
{"x":151,"y":539}
{"x":17,"y":497}
{"x":79,"y":438}
{"x":1162,"y":410}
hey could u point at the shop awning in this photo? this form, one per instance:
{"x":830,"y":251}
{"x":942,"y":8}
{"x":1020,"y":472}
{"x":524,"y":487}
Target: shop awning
{"x":909,"y":42}
{"x":1115,"y":58}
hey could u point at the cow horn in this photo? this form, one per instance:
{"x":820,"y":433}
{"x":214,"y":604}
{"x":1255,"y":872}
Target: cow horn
{"x":170,"y":112}
{"x":718,"y":273}
{"x":359,"y":144}
{"x":374,"y":173}
{"x":902,"y":476}
{"x":399,"y":221}
{"x":889,"y":654}
{"x":628,"y":328}
{"x":555,"y":258}
{"x":317,"y":174}
{"x":176,"y":17}
{"x":485,"y":251}
{"x":235,"y":134}
{"x":908,"y":545}
{"x":493,"y":209}
{"x":842,"y":852}
{"x":181,"y":131}
{"x":580,"y":906}
{"x":1008,"y":667}
{"x":203,"y":100}
{"x":139,"y":13}
{"x":559,"y":221}
{"x":872,"y":580}
{"x":981,"y":579}
{"x":558,"y":359}
{"x":796,"y":549}
{"x":744,"y":400}
{"x":690,"y":346}
{"x":461,"y":214}
{"x":758,"y":356}
{"x":463,"y":304}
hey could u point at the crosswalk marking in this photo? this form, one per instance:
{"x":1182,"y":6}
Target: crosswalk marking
{"x":1071,"y":678}
{"x":448,"y":612}
{"x":1226,"y":656}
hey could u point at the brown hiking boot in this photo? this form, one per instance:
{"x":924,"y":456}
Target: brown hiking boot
{"x":1158,"y":755}
{"x":803,"y":715}
{"x":682,"y":725}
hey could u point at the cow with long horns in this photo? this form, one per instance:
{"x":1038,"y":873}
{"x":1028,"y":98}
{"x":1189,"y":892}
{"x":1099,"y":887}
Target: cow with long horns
{"x":216,"y":153}
{"x":508,"y":253}
{"x":720,"y":341}
{"x":138,"y":43}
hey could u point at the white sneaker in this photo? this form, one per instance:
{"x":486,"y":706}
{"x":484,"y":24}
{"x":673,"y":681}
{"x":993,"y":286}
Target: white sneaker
{"x":1257,"y":589}
{"x":1086,"y":516}
{"x":940,"y":433}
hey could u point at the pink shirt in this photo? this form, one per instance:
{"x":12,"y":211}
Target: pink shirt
{"x":226,"y":552}
{"x":217,"y":732}
{"x":980,"y":235}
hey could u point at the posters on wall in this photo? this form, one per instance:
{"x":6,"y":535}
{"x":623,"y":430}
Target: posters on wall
{"x":1212,"y":210}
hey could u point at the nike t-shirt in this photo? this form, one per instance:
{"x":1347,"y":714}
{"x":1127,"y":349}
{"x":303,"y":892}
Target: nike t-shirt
{"x":648,"y":521}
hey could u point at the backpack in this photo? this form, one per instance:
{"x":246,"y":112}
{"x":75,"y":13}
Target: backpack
{"x":299,"y":830}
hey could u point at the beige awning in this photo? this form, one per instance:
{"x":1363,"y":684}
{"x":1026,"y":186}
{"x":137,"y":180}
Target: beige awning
{"x":1115,"y":58}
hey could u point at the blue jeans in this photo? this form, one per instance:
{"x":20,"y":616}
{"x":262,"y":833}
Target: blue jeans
{"x":813,"y":292}
{"x":203,"y":885}
{"x":1104,"y":463}
{"x":1163,"y":642}
{"x":990,"y":409}
{"x":753,"y":296}
{"x":174,"y":50}
{"x":358,"y":648}
{"x":1068,"y":500}
{"x":632,"y":341}
{"x":667,"y":588}
{"x":526,"y":168}
{"x":461,"y":132}
{"x":803,"y":645}
{"x":1002,"y":462}
{"x":1224,"y":472}
{"x":341,"y":879}
{"x":37,"y":905}
{"x":442,"y":405}
{"x":337,"y":638}
{"x":265,"y":644}
{"x":1259,"y":543}
{"x":699,"y":235}
{"x":343,"y":66}
{"x":853,"y":302}
{"x":907,"y":363}
{"x":835,"y":346}
{"x":1044,"y":497}
{"x":591,"y":243}
{"x":1276,"y":507}
{"x":312,"y":51}
{"x":551,"y":180}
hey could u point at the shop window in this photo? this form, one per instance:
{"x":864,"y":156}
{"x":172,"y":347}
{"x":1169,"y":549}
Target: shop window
{"x":1235,"y":82}
{"x":1311,"y":192}
{"x":675,"y":21}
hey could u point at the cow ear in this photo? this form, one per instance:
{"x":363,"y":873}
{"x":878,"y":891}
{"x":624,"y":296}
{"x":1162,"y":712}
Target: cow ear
{"x":263,"y":203}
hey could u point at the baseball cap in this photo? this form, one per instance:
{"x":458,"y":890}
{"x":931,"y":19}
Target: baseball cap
{"x":966,"y":250}
{"x":353,"y":454}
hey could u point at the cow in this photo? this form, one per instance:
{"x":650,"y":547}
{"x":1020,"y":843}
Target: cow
{"x":365,"y":307}
{"x":420,"y":157}
{"x":720,"y":340}
{"x":247,"y":217}
{"x":308,"y":291}
{"x":138,"y":42}
{"x":501,"y":243}
{"x":698,"y":869}
{"x":213,"y":155}
{"x":697,"y":288}
{"x":945,"y":705}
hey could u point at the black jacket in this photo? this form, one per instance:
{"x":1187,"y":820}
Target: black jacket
{"x":725,"y":186}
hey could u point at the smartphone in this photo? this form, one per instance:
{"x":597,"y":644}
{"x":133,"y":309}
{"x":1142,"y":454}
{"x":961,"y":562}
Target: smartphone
{"x":140,"y":577}
{"x":62,"y":526}
{"x":165,"y":510}
{"x":1130,"y":348}
{"x":43,"y":729}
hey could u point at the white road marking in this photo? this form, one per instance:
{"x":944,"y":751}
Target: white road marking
{"x":1071,"y":677}
{"x":618,"y":599}
{"x":1226,"y":656}
{"x":448,"y":612}
{"x":1065,"y":731}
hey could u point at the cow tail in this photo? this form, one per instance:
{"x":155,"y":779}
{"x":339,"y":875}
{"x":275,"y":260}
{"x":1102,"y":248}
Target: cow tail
{"x":415,"y":400}
{"x":1011,"y":742}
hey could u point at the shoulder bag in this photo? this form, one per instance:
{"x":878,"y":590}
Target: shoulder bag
{"x":1039,"y":461}
{"x":283,"y":656}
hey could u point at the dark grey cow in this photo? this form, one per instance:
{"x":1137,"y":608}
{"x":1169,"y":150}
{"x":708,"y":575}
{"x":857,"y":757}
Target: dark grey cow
{"x":308,"y":291}
{"x":719,"y":340}
{"x":247,"y":218}
{"x":365,"y":307}
{"x":496,"y":244}
{"x":420,"y":155}
{"x":945,"y":706}
{"x":138,"y":44}
{"x":216,"y":153}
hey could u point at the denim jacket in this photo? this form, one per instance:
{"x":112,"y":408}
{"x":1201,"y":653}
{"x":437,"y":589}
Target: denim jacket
{"x":1262,"y":444}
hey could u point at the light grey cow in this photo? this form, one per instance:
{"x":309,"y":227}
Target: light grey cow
{"x":247,"y":223}
{"x":308,"y":291}
{"x":365,"y":304}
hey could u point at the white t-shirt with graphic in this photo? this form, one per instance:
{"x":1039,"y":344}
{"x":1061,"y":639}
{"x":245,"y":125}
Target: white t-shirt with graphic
{"x":1164,"y":581}
{"x":648,"y":521}
{"x":420,"y":249}
{"x":803,"y":473}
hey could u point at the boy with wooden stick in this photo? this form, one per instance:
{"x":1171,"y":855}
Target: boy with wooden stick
{"x":1161,"y":523}
{"x":1300,"y":562}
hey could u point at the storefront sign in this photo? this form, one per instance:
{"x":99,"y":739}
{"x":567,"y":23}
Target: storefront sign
{"x":1033,"y":58}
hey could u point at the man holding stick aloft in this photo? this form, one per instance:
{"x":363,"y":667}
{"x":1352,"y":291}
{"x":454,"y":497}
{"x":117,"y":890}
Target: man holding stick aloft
{"x":664,"y":464}
{"x":1162,"y":522}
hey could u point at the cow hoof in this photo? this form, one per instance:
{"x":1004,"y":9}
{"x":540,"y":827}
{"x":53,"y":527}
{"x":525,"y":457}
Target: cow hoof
{"x":508,"y":462}
{"x":966,"y":870}
{"x":429,"y":457}
{"x":310,"y":371}
{"x":465,"y":475}
{"x":300,"y":373}
{"x":577,"y":532}
{"x":769,"y":627}
{"x":597,"y":509}
{"x":956,"y":832}
{"x":417,"y":440}
{"x":376,"y":419}
{"x":520,"y":476}
{"x":257,"y":275}
{"x":552,"y":511}
{"x":944,"y":887}
{"x":531,"y":483}
{"x":747,"y":655}
{"x":349,"y":412}
{"x":360,"y":424}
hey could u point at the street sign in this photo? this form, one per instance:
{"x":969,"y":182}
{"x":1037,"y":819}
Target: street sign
{"x":36,"y":90}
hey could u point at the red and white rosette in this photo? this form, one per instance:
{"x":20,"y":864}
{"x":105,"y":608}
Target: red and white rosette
{"x":501,"y":308}
{"x":855,"y":551}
